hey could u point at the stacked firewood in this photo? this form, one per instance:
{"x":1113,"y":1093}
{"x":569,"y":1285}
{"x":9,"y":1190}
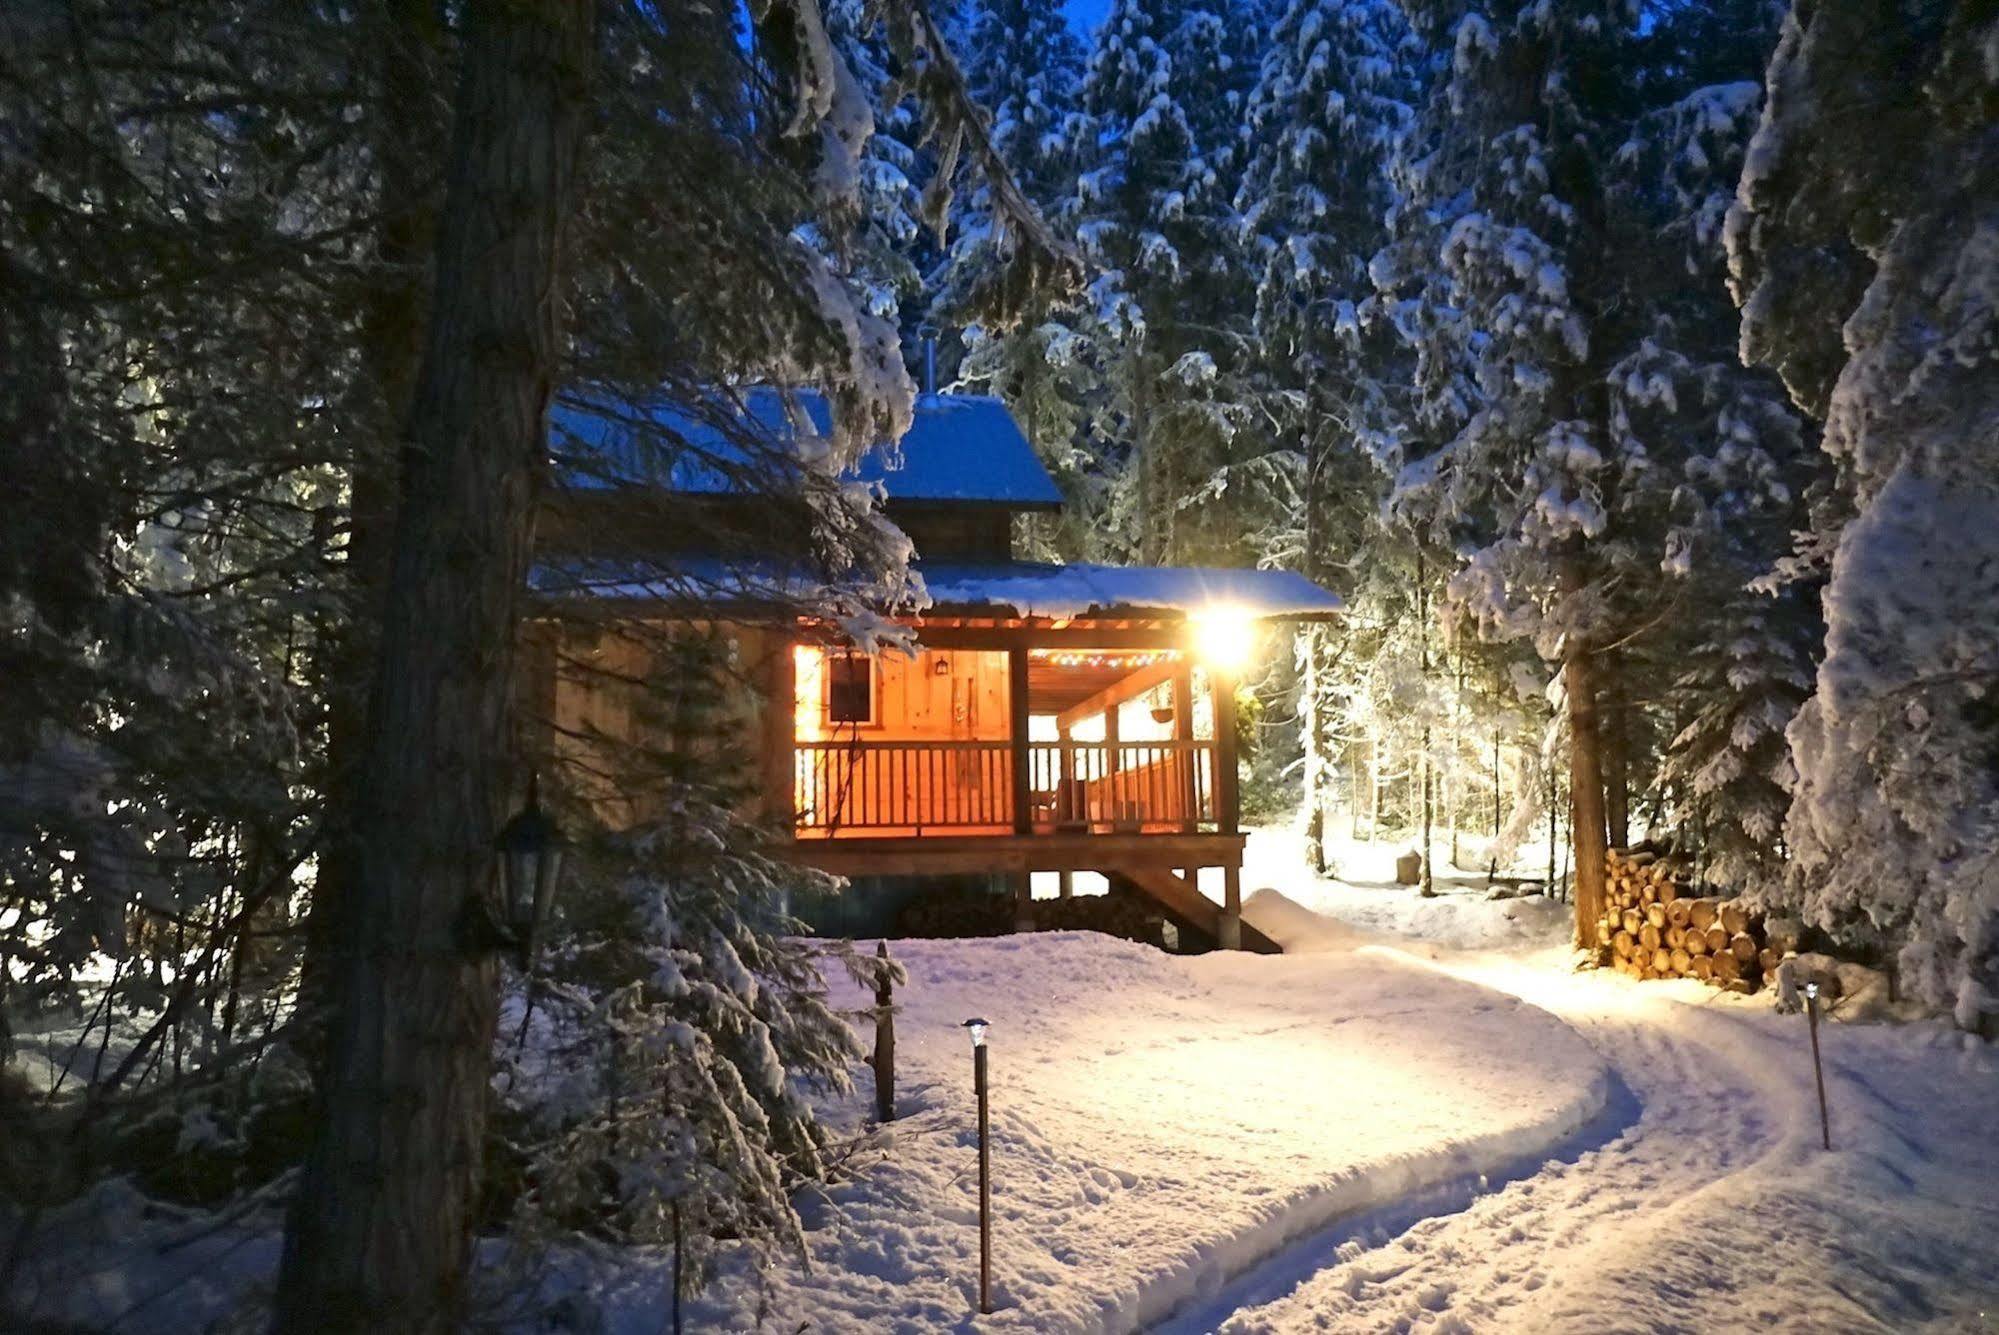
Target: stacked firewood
{"x":1654,"y":926}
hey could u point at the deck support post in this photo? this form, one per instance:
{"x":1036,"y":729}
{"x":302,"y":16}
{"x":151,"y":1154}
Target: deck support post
{"x":1022,"y":884}
{"x":1016,"y":710}
{"x":1228,"y":934}
{"x":1113,"y":771}
{"x":1068,"y":810}
{"x":1185,"y":760}
{"x":1228,"y":804}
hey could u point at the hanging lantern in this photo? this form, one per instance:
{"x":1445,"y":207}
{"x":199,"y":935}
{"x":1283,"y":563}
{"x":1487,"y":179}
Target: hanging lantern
{"x":530,"y":849}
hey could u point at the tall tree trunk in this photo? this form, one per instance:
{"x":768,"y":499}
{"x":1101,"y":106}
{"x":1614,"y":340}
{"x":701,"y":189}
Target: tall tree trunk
{"x":1320,"y":762}
{"x":1586,"y":823}
{"x":404,"y":39}
{"x":1141,"y":444}
{"x":1453,"y":776}
{"x":1373,"y":783}
{"x":1423,"y":664}
{"x":380,"y":1232}
{"x":1616,"y":755}
{"x":1495,"y":783}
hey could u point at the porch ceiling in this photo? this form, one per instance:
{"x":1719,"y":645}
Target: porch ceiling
{"x":1053,"y":687}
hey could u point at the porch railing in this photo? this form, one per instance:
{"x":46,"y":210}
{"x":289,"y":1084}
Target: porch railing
{"x":953,"y":785}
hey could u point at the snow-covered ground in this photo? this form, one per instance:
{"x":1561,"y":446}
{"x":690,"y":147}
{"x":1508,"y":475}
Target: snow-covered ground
{"x":1462,"y":913}
{"x":1159,"y":1124}
{"x":1713,"y":1209}
{"x":1421,"y":1118}
{"x":1709,"y":1206}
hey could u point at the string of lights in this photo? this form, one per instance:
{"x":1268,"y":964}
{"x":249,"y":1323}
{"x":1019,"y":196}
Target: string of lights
{"x":1085,"y":658}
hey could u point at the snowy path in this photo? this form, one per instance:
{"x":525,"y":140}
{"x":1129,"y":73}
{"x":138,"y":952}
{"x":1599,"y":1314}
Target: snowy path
{"x":1714,"y":1210}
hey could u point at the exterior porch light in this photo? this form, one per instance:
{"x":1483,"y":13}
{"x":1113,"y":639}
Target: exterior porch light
{"x":1224,"y":637}
{"x":530,"y":849}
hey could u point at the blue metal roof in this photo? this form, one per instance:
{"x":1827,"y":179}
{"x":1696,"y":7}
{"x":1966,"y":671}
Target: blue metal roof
{"x":1032,"y":588}
{"x":1016,"y":588}
{"x":961,"y":448}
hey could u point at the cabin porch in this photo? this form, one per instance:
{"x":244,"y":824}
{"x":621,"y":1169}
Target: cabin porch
{"x":1016,"y":748}
{"x":1113,"y":741}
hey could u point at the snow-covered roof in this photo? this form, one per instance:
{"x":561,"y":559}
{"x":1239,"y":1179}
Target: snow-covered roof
{"x":1009,"y":588}
{"x":960,"y":449}
{"x":1032,"y":589}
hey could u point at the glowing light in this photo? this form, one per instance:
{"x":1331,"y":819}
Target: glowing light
{"x":1812,"y":991}
{"x":977,"y":1028}
{"x":1224,"y":637}
{"x":808,"y":675}
{"x":1094,"y":659}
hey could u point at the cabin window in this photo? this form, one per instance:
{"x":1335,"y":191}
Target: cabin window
{"x":850,"y":688}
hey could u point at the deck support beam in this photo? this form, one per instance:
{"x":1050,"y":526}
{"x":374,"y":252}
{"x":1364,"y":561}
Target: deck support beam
{"x":1183,"y":731}
{"x":1228,"y":803}
{"x":1016,"y":710}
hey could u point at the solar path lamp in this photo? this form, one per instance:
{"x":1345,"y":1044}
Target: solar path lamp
{"x":977,"y":1029}
{"x":1818,"y":1069}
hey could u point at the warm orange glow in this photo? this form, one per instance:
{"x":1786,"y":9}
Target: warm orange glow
{"x":808,"y":666}
{"x":1224,"y":637}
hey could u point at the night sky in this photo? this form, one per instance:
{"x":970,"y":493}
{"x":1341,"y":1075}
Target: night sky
{"x":1085,"y":15}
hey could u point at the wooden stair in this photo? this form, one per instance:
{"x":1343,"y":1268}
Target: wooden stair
{"x":1188,"y":905}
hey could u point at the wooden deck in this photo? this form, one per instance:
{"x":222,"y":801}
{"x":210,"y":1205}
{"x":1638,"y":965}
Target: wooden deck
{"x":947,"y":855}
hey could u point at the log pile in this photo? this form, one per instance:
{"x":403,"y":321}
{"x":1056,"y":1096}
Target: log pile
{"x":1654,"y":926}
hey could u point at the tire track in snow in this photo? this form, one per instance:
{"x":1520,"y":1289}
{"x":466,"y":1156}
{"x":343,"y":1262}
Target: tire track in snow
{"x":1706,"y":1102}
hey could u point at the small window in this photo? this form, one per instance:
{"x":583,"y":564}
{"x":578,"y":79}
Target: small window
{"x":850,"y":688}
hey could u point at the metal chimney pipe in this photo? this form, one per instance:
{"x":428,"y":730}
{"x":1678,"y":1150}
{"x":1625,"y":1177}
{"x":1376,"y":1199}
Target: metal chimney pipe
{"x":928,"y":333}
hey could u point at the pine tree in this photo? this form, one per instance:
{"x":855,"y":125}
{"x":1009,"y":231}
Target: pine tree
{"x":1024,"y":63}
{"x":1739,"y":683}
{"x":1865,"y":252}
{"x":1331,"y":100}
{"x":217,"y":229}
{"x":1578,"y":427}
{"x":1165,"y":330}
{"x":682,"y":1024}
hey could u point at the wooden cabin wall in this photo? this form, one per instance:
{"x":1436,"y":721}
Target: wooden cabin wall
{"x":603,"y":732}
{"x":937,"y":696}
{"x":966,"y":701}
{"x":956,"y":532}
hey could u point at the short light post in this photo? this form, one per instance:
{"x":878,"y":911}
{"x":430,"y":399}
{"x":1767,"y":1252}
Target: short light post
{"x":978,"y":1028}
{"x":1818,"y":1068}
{"x":884,"y":1060}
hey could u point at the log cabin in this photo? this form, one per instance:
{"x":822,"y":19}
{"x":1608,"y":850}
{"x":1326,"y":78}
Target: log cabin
{"x":1035,"y":719}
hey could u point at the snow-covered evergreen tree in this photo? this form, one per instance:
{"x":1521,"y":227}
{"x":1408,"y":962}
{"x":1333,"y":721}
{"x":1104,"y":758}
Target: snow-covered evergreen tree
{"x":1865,"y":249}
{"x":1579,"y":430}
{"x":872,"y":163}
{"x":662,"y":1083}
{"x":1165,"y":323}
{"x":1330,"y":102}
{"x":1025,"y":64}
{"x":1727,"y":772}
